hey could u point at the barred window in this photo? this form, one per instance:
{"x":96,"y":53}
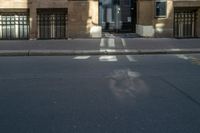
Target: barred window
{"x":52,"y":23}
{"x":14,"y":25}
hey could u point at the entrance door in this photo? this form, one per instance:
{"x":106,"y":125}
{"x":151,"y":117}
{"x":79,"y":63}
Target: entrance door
{"x":117,"y":15}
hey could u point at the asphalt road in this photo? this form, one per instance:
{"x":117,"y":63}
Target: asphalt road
{"x":100,"y":94}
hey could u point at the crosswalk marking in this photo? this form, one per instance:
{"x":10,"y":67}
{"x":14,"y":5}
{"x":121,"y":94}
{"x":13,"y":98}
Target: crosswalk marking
{"x":108,"y":58}
{"x":102,"y":43}
{"x":111,"y":43}
{"x":81,"y":57}
{"x":123,"y":42}
{"x":130,"y":58}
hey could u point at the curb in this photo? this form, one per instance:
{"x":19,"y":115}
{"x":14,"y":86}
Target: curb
{"x":95,"y":52}
{"x":14,"y":52}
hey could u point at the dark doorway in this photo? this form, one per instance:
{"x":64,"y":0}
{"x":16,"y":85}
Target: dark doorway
{"x":184,"y":23}
{"x":117,"y":15}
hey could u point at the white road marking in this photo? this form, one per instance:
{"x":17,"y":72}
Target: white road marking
{"x":123,"y":42}
{"x":102,"y":43}
{"x":183,"y":57}
{"x":111,"y":43}
{"x":108,"y":58}
{"x":129,"y":57}
{"x":81,"y":57}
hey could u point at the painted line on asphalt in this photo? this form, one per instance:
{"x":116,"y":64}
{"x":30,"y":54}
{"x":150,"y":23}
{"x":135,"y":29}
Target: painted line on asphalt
{"x":102,"y":43}
{"x":129,"y":57}
{"x":111,"y":43}
{"x":108,"y":58}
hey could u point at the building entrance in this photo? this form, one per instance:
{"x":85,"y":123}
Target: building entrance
{"x":117,"y":15}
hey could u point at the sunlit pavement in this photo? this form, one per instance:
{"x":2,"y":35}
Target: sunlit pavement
{"x":100,"y":94}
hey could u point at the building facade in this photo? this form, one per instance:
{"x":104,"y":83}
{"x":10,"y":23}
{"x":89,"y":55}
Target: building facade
{"x":61,"y":19}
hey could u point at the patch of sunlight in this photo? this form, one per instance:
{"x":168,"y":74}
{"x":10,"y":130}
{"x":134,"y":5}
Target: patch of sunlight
{"x":131,"y":58}
{"x":175,"y":49}
{"x":160,"y":30}
{"x":108,"y":58}
{"x":81,"y":57}
{"x":127,"y":85}
{"x":183,"y":57}
{"x":133,"y":74}
{"x":193,"y":60}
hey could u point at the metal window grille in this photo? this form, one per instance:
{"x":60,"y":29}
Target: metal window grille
{"x":184,"y":23}
{"x":52,"y":23}
{"x":14,"y":25}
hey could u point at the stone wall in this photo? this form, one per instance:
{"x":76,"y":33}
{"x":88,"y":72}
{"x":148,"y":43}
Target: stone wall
{"x":32,"y":5}
{"x":164,"y":26}
{"x":14,"y":3}
{"x":149,"y":25}
{"x":186,"y":3}
{"x":83,"y":16}
{"x":145,"y":11}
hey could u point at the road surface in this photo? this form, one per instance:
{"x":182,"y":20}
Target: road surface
{"x":100,"y":94}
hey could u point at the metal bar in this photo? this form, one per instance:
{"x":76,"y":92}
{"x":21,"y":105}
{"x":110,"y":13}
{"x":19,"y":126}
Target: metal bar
{"x":174,"y":25}
{"x":178,"y":25}
{"x":195,"y":15}
{"x":191,"y":23}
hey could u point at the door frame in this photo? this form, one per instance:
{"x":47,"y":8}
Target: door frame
{"x":133,"y":14}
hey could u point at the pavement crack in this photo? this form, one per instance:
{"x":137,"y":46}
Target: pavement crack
{"x":181,"y":91}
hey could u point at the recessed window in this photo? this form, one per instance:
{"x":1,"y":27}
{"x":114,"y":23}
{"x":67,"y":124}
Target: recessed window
{"x":52,"y":23}
{"x":12,"y":26}
{"x":161,"y":8}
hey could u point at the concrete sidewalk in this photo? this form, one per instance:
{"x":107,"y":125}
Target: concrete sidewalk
{"x":104,"y":46}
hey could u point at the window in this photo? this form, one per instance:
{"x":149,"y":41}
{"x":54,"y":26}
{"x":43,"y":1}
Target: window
{"x":184,"y":23}
{"x":52,"y":23}
{"x":14,"y":25}
{"x":161,"y":7}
